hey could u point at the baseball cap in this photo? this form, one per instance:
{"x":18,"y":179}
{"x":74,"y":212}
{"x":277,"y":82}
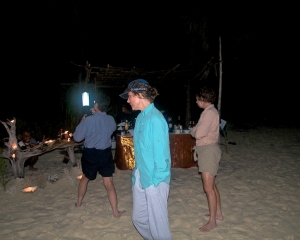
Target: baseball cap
{"x":135,"y":85}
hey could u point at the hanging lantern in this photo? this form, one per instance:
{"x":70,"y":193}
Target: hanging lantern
{"x":85,"y":99}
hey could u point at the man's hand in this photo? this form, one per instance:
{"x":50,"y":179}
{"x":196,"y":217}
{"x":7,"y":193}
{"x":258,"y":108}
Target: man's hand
{"x":32,"y":145}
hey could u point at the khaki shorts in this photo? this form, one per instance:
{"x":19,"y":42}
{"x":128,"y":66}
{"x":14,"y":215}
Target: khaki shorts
{"x":208,"y":157}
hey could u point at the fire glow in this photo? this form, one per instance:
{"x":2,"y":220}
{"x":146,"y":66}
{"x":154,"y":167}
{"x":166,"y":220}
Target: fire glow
{"x":29,"y":189}
{"x":49,"y":142}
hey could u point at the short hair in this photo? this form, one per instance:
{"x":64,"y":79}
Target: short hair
{"x":206,"y":94}
{"x":103,"y":101}
{"x":25,"y":129}
{"x":151,"y":93}
{"x":140,"y":86}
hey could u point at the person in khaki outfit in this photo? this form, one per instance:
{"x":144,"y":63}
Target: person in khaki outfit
{"x":208,"y":153}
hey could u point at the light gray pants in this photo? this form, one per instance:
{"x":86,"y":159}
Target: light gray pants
{"x":150,"y":210}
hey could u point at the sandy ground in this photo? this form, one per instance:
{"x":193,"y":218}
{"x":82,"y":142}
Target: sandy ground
{"x":259,"y":182}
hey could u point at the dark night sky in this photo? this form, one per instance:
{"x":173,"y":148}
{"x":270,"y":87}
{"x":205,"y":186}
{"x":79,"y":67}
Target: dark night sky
{"x":258,"y":71}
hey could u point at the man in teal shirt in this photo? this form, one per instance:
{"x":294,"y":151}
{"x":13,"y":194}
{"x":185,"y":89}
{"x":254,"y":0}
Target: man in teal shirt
{"x":152,"y":171}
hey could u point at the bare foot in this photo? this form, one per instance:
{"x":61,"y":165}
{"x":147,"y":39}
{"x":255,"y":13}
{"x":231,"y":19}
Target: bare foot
{"x":220,"y":218}
{"x":33,"y":168}
{"x":77,"y":205}
{"x":119,"y":214}
{"x":207,"y":227}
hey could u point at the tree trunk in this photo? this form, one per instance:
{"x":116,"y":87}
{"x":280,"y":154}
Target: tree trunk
{"x":18,"y":168}
{"x":70,"y":151}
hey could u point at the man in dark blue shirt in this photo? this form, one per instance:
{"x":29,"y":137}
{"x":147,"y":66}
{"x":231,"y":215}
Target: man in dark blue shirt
{"x":96,"y":131}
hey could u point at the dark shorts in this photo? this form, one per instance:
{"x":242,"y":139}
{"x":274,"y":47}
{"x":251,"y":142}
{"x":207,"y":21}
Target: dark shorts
{"x":26,"y":163}
{"x":28,"y":160}
{"x":95,"y":160}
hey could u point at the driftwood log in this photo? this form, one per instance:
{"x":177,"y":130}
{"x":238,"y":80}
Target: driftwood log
{"x":17,"y":157}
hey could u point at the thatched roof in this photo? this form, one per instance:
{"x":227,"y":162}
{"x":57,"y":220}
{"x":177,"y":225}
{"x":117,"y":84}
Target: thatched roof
{"x":119,"y":77}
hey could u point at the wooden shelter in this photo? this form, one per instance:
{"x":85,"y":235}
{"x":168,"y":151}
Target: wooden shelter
{"x":119,"y":77}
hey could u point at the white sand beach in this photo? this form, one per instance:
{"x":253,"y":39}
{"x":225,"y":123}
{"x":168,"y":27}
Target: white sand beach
{"x":258,"y":179}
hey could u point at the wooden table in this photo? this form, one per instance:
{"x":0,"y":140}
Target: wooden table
{"x":17,"y":157}
{"x":69,"y":146}
{"x":181,"y":147}
{"x":124,"y":153}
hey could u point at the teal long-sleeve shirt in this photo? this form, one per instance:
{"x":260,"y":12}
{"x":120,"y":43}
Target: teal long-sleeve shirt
{"x":152,"y":148}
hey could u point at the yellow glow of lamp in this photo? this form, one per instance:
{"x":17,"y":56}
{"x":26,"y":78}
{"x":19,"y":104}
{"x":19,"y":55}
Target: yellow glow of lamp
{"x":85,"y":99}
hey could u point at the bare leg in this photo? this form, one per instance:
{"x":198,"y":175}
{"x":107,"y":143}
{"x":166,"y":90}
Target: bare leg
{"x":219,"y":215}
{"x":33,"y":161}
{"x":82,"y":187}
{"x":209,"y":188}
{"x":112,"y":196}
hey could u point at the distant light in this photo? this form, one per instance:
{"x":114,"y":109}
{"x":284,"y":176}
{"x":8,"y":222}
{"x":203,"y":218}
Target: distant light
{"x":85,"y":99}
